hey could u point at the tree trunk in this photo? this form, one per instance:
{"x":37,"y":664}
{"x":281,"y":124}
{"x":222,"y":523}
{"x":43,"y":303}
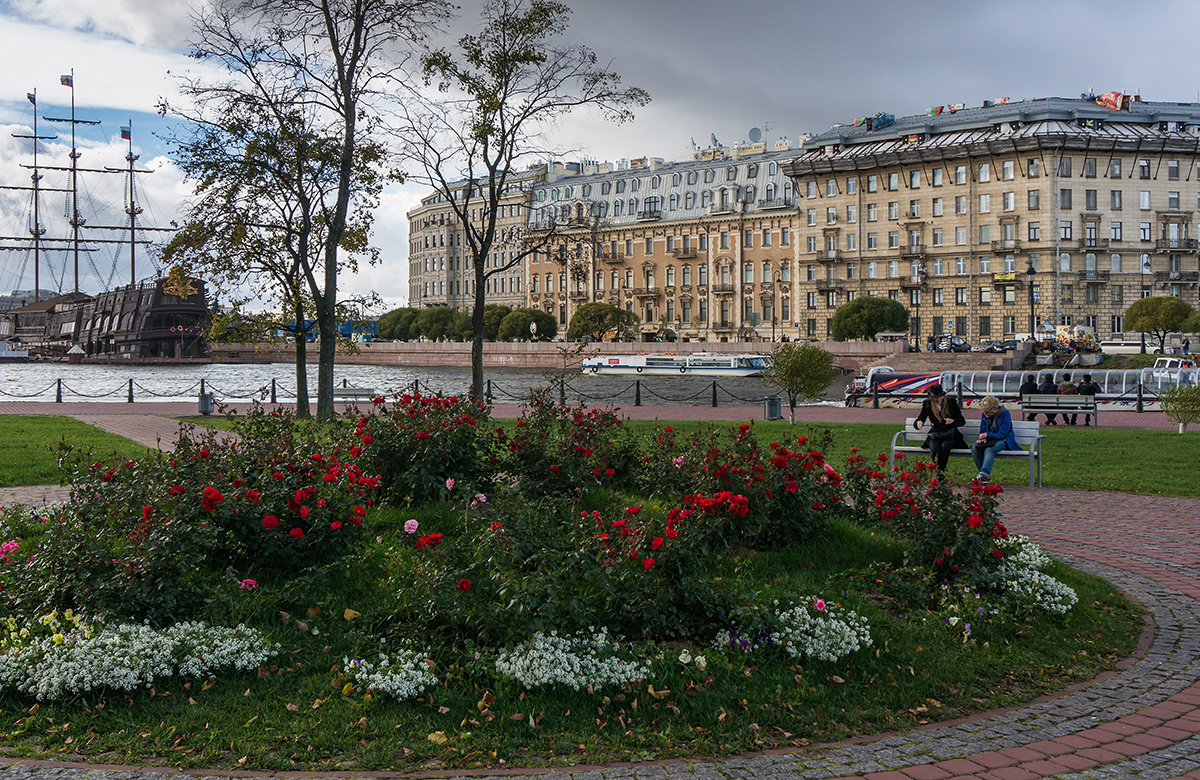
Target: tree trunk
{"x":792,"y":409}
{"x":302,"y":408}
{"x":477,"y":335}
{"x":1183,"y":427}
{"x":326,"y":351}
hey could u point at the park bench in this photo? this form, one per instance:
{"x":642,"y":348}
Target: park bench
{"x":352,"y":394}
{"x":909,"y":440}
{"x":1047,"y":403}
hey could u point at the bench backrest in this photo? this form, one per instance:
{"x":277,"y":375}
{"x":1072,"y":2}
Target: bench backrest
{"x":1026,"y":433}
{"x":1074,"y":401}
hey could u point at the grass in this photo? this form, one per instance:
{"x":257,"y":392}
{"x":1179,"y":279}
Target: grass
{"x":295,"y":714}
{"x":33,"y":444}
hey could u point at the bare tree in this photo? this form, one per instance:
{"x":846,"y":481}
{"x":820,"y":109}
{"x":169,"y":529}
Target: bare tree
{"x":497,"y":91}
{"x":298,"y":107}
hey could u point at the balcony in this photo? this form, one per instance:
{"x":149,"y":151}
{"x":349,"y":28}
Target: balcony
{"x":649,"y":215}
{"x":911,"y":282}
{"x":612,"y":257}
{"x":777,"y":203}
{"x":828,"y":255}
{"x":1006,"y":245}
{"x":828,"y":285}
{"x":721,"y":208}
{"x":1006,"y":279}
{"x":686,"y":253}
{"x":1176,"y":244}
{"x":1094,"y":276}
{"x":579,"y":295}
{"x":646,"y":292}
{"x":722,"y":289}
{"x":1177,"y":277}
{"x":727,"y":325}
{"x":1092,"y":244}
{"x":912,"y":250}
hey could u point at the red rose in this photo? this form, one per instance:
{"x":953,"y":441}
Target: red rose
{"x":270,"y":522}
{"x":304,"y":512}
{"x":555,"y":469}
{"x":178,"y":490}
{"x":336,"y":525}
{"x":648,"y":564}
{"x":658,"y":542}
{"x":204,"y":453}
{"x":296,"y":533}
{"x":464,"y":585}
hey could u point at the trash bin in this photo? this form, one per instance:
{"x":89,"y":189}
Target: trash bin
{"x":206,"y":403}
{"x":773,"y":407}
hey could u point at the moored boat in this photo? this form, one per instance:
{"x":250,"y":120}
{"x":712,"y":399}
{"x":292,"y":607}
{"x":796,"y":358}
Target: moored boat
{"x":669,"y":364}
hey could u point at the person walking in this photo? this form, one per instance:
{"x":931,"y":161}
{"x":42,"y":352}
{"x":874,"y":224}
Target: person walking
{"x":944,"y":417}
{"x":995,"y":435}
{"x":1088,"y":387}
{"x":1028,"y":387}
{"x":1187,"y":346}
{"x":1047,"y":387}
{"x":1067,"y":387}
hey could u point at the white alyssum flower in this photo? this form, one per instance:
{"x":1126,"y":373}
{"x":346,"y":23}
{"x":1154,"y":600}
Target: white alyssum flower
{"x":402,"y":677}
{"x":1020,"y":552}
{"x":1039,"y":589}
{"x":826,"y":634}
{"x":585,"y":659}
{"x":128,"y":656}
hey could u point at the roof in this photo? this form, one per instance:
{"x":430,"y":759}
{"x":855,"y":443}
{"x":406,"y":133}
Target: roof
{"x":50,"y":303}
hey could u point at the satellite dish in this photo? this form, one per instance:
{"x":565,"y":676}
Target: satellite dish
{"x":755,"y":135}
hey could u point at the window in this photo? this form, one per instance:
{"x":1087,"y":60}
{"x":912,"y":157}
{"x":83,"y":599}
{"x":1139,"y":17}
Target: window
{"x":1144,"y":231}
{"x":704,"y":242}
{"x":1064,"y":230}
{"x":851,"y":184}
{"x":872,"y":212}
{"x":960,"y":326}
{"x":893,"y":209}
{"x":785,"y":236}
{"x":748,"y":239}
{"x":812,"y":216}
{"x":985,"y":172}
{"x":960,"y":296}
{"x":649,"y":247}
{"x":960,"y":174}
{"x":985,"y":264}
{"x":812,"y":300}
{"x":985,"y":295}
{"x":914,"y":180}
{"x":710,"y":176}
{"x":1064,"y":262}
{"x":692,"y":177}
{"x":1007,"y":170}
{"x":812,"y":243}
{"x":985,"y":203}
{"x":1144,"y":200}
{"x":1064,"y":166}
{"x":1173,"y":170}
{"x":1033,"y":167}
{"x":670,"y":244}
{"x":1114,"y":263}
{"x":1143,"y":169}
{"x":893,"y":182}
{"x":939,"y":296}
{"x":1116,"y":293}
{"x":893,"y":269}
{"x":960,"y":204}
{"x":985,"y":234}
{"x":960,"y":234}
{"x":766,"y":237}
{"x":937,"y":207}
{"x":1089,"y":167}
{"x":872,"y":270}
{"x":1009,"y":200}
{"x":852,"y":213}
{"x":914,"y":209}
{"x":1116,"y":231}
{"x":937,"y":236}
{"x":960,"y":265}
{"x":687,"y":276}
{"x":702,"y":279}
{"x":1173,"y":201}
{"x":810,"y":189}
{"x":893,"y":239}
{"x":937,"y":266}
{"x":1090,"y":294}
{"x":872,"y":183}
{"x":1064,"y":199}
{"x":747,"y":273}
{"x":831,"y":187}
{"x":1068,"y":295}
{"x":731,"y":173}
{"x":851,"y":241}
{"x":1114,"y":168}
{"x":830,"y":215}
{"x":629,"y":247}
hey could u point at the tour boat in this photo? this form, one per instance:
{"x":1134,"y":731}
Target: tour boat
{"x":668,"y":364}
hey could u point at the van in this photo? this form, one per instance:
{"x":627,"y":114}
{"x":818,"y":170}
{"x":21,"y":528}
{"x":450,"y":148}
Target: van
{"x":1122,"y":347}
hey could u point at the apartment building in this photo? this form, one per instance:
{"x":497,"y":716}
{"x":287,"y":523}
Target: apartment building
{"x":982,"y":220}
{"x":697,"y":249}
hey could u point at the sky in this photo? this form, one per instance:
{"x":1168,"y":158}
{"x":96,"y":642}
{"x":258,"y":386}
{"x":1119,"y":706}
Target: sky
{"x":712,"y":68}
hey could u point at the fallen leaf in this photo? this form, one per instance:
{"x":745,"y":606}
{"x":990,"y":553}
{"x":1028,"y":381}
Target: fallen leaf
{"x":301,"y":625}
{"x":314,"y":612}
{"x":347,"y":688}
{"x":208,"y":684}
{"x":242,"y":760}
{"x":836,"y":679}
{"x":292,"y":707}
{"x":443,"y":709}
{"x":437,"y":738}
{"x":487,"y":700}
{"x":350,"y":614}
{"x":317,"y":704}
{"x":191,"y":700}
{"x":517,"y":716}
{"x":247,"y":723}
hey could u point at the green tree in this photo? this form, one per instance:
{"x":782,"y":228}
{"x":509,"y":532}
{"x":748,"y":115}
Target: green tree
{"x":515,"y":327}
{"x":395,"y":324}
{"x":285,"y":142}
{"x":501,"y":89}
{"x":1159,"y":315}
{"x":434,"y":323}
{"x":240,"y":327}
{"x":597,"y":320}
{"x":867,"y":315}
{"x":1181,"y":405}
{"x":493,"y":315}
{"x":802,"y":371}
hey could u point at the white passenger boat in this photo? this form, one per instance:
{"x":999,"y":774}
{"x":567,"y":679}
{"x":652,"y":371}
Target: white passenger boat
{"x":668,"y":364}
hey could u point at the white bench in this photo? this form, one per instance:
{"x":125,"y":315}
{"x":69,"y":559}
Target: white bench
{"x":1043,"y":403}
{"x":909,"y":440}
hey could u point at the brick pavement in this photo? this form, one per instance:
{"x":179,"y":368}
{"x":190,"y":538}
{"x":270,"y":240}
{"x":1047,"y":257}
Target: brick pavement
{"x":1142,"y":721}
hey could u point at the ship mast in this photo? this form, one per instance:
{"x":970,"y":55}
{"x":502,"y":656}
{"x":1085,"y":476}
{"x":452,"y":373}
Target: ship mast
{"x":132,"y":210}
{"x":68,"y":80}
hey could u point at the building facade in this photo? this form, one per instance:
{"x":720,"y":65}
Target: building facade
{"x":985,"y":220}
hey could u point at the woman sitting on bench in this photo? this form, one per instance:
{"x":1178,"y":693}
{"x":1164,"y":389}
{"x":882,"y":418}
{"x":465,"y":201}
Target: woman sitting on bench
{"x":944,"y":417}
{"x":995,"y":435}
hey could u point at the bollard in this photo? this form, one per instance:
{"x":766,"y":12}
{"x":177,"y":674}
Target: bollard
{"x":714,"y":401}
{"x":131,"y":390}
{"x":58,"y":391}
{"x":1140,"y":401}
{"x":273,"y":390}
{"x":488,"y":392}
{"x":637,"y":392}
{"x":958,"y":390}
{"x":202,"y":386}
{"x":875,"y":395}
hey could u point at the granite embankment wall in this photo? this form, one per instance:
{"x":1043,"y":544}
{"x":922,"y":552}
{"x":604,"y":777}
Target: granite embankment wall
{"x":541,"y":355}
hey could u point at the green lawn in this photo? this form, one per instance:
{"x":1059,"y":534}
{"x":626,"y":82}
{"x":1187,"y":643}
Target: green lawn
{"x":32,"y":447}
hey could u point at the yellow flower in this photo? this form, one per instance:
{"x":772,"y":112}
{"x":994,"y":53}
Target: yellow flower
{"x":58,"y":639}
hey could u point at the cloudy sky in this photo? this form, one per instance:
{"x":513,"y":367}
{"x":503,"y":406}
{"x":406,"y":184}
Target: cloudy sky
{"x":712,"y":68}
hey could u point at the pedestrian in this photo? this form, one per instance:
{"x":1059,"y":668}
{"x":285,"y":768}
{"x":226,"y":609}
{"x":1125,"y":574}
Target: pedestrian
{"x":1187,"y":346}
{"x":995,"y":435}
{"x":1028,"y":387}
{"x":1047,"y":387}
{"x":1088,"y":387}
{"x":1067,"y":387}
{"x":944,"y":418}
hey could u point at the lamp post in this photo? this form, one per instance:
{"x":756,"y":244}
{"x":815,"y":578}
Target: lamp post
{"x":774,"y":291}
{"x":922,"y":280}
{"x":1030,"y":272}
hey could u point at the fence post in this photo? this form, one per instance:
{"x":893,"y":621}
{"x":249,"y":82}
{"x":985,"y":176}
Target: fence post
{"x":637,"y":392}
{"x":201,"y":386}
{"x":958,"y":390}
{"x":1140,"y":401}
{"x":488,"y":392}
{"x":58,"y":391}
{"x":562,"y":391}
{"x":131,"y":390}
{"x":273,"y":390}
{"x":714,"y":400}
{"x":875,"y":395}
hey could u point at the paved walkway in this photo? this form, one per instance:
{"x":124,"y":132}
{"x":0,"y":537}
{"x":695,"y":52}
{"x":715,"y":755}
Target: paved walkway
{"x":1141,"y":722}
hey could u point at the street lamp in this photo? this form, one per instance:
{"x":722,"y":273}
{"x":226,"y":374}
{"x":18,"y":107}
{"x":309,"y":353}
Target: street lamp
{"x":922,"y":280}
{"x":774,"y":291}
{"x":1030,"y":272}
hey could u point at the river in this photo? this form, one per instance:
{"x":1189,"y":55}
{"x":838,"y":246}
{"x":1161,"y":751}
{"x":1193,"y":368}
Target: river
{"x":241,"y":381}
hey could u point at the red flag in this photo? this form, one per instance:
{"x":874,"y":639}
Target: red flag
{"x":67,"y":80}
{"x":1110,"y":100}
{"x":32,"y":97}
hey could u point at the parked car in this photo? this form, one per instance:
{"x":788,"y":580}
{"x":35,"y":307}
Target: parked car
{"x":998,"y":346}
{"x":1125,"y":347}
{"x":949,"y":343}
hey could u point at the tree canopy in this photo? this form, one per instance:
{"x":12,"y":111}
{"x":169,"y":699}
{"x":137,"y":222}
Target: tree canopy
{"x":1159,"y":315}
{"x":868,"y":315}
{"x":515,"y":326}
{"x":597,"y":320}
{"x":499,"y":90}
{"x":493,"y":315}
{"x":803,"y":371}
{"x":395,"y":324}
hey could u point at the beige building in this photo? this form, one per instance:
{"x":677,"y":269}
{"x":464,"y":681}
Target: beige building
{"x":981,"y":220}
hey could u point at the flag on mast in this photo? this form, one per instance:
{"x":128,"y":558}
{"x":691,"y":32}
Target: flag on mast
{"x":126,"y":133}
{"x":32,"y":97}
{"x":67,"y":80}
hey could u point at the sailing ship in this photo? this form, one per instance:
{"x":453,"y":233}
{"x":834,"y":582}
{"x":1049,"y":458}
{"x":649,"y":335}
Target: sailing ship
{"x":152,"y":318}
{"x":672,"y":364}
